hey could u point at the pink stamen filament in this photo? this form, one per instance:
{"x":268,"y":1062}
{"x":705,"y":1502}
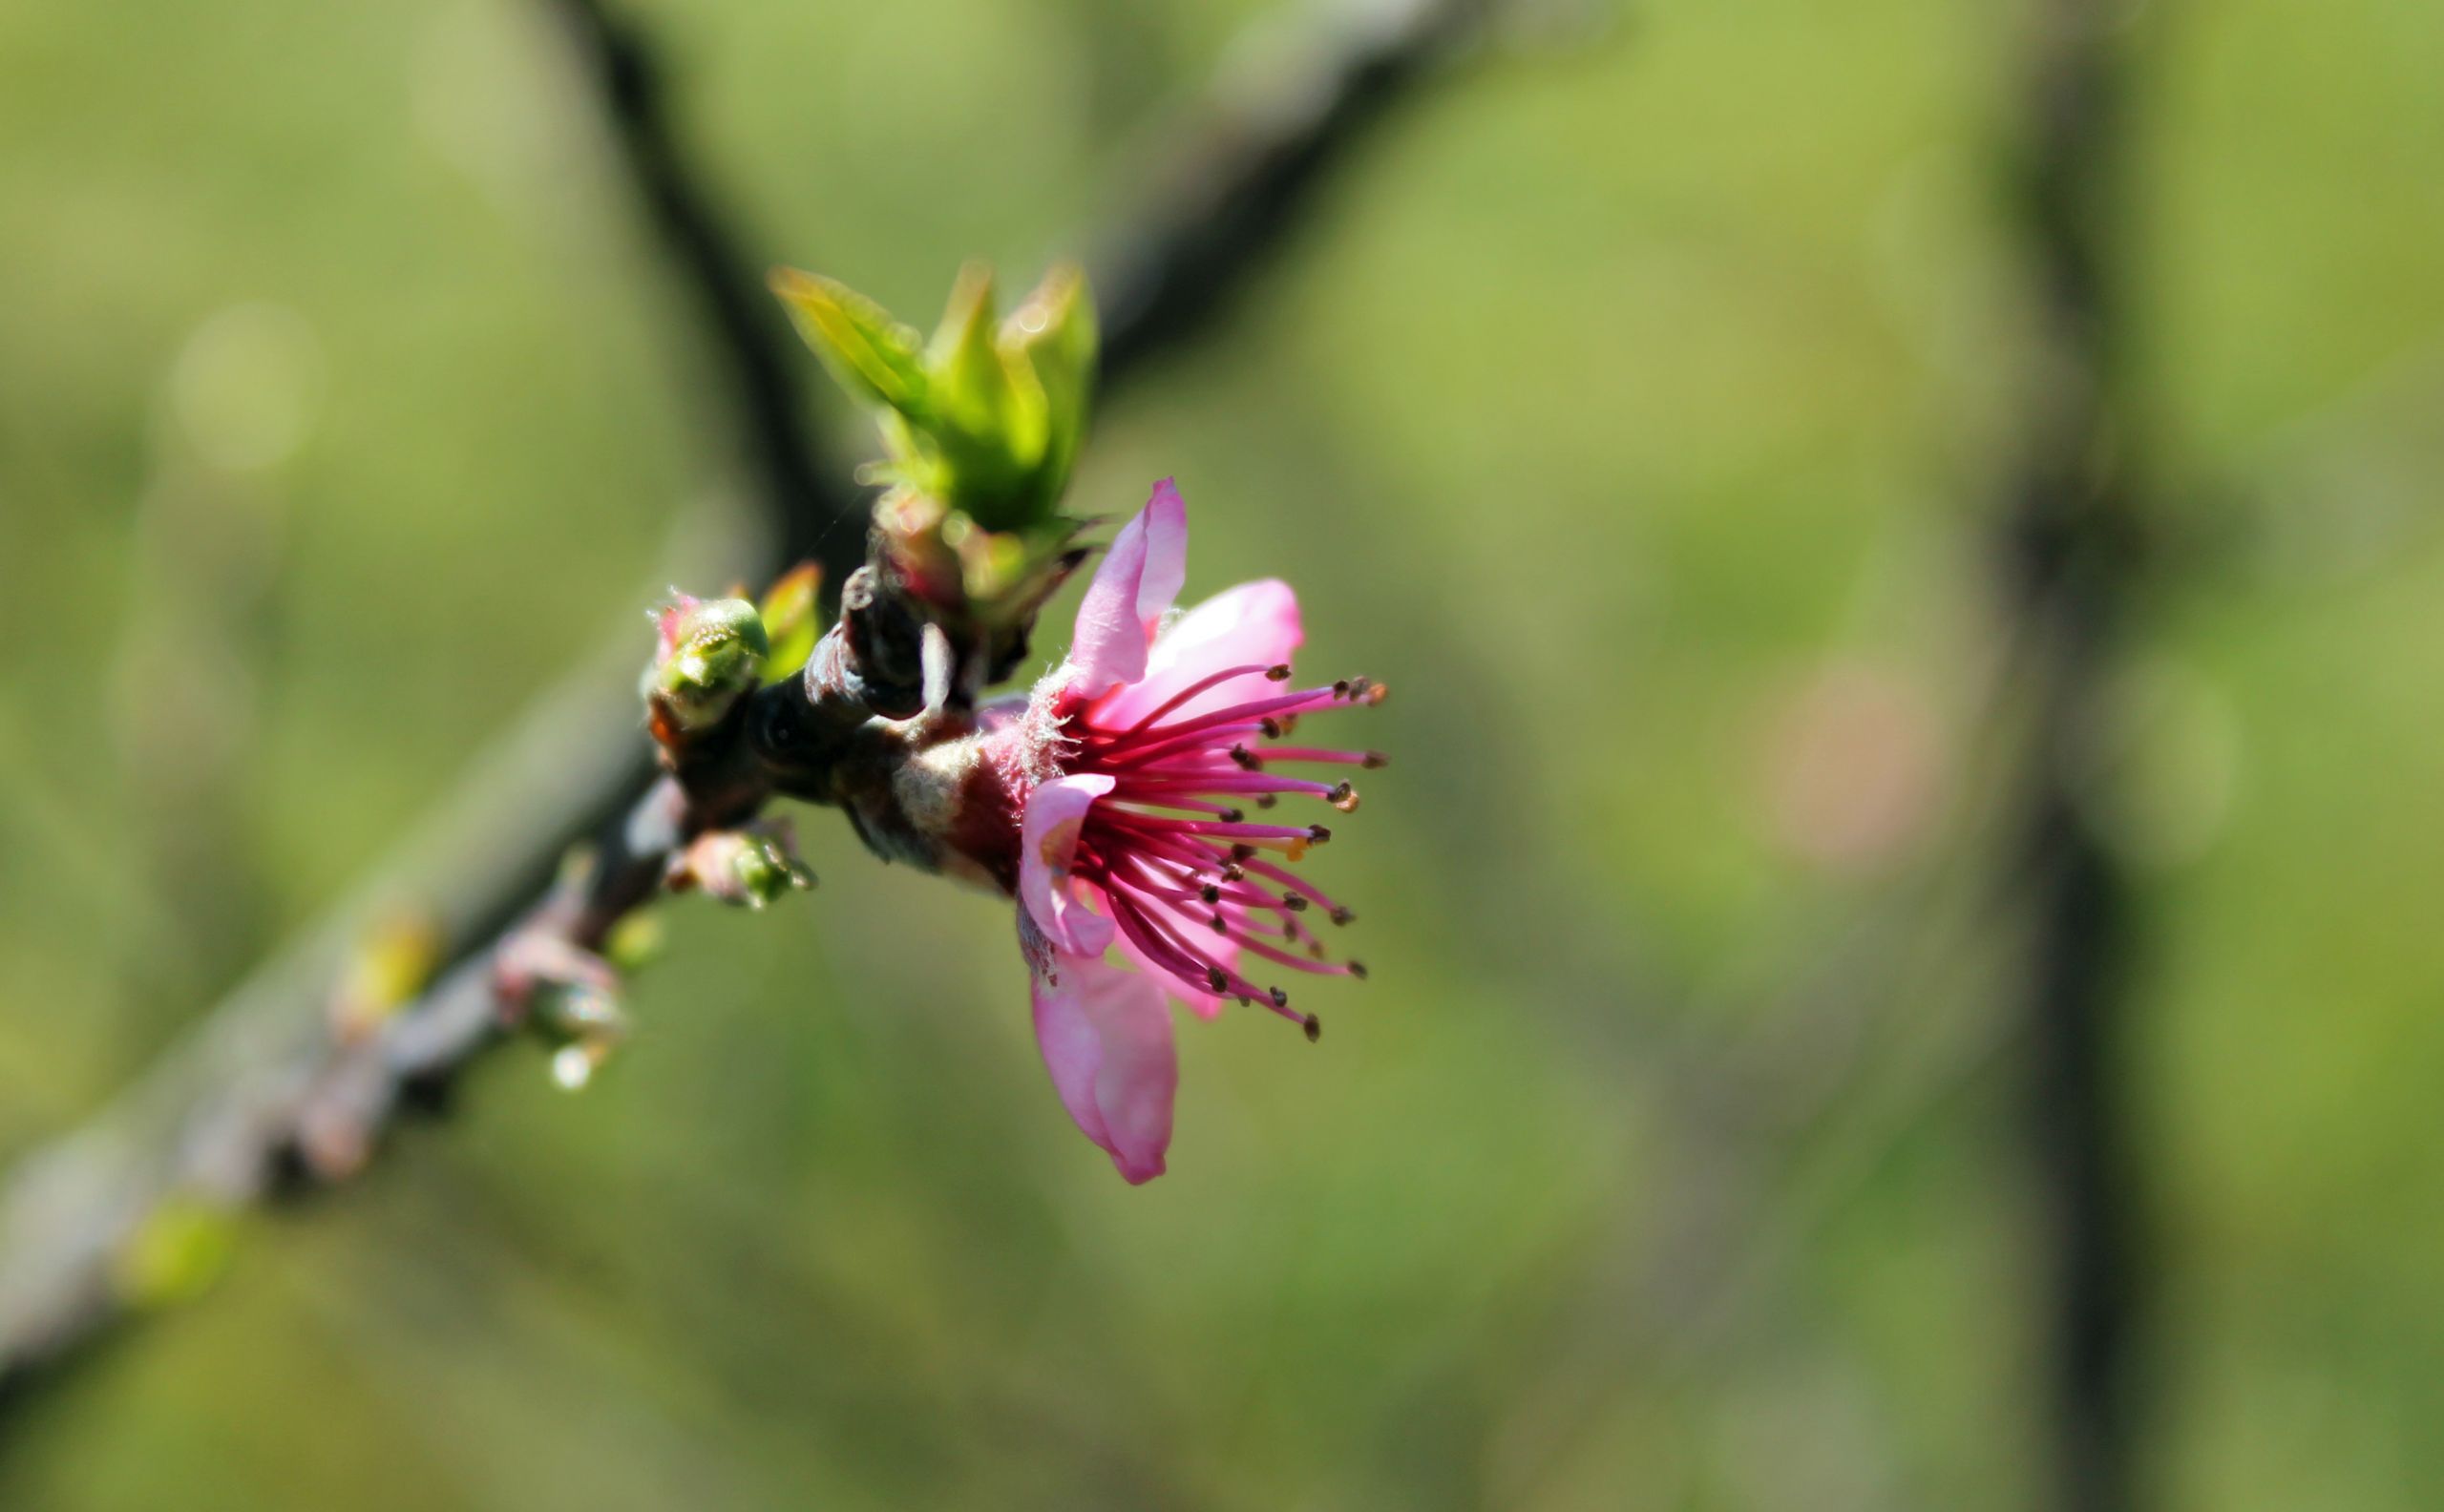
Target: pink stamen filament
{"x":1184,"y":695}
{"x":1236,"y":782}
{"x":1250,"y":715}
{"x":1310,"y":753}
{"x":1241,"y":930}
{"x":1126,"y":907}
{"x":1293,"y":882}
{"x":1132,"y":758}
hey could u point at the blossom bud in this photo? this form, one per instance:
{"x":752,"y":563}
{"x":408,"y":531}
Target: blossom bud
{"x":752,"y":867}
{"x":710,"y":654}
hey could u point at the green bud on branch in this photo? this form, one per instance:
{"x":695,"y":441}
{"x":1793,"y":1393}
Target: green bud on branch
{"x":710,"y":654}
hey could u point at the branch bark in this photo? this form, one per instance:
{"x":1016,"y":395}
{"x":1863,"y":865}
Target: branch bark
{"x":271,"y":1094}
{"x":2072,"y":560}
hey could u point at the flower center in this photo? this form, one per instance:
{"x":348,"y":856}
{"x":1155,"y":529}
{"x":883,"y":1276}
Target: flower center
{"x":1181,"y":869}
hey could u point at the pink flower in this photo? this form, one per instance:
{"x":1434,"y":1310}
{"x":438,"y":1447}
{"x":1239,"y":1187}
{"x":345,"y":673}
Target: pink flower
{"x":1127,"y":770}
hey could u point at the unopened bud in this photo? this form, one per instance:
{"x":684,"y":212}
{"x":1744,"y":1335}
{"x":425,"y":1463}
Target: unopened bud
{"x":710,"y":654}
{"x":750,"y":868}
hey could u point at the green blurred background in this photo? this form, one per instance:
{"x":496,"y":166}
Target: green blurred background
{"x":1636,"y":405}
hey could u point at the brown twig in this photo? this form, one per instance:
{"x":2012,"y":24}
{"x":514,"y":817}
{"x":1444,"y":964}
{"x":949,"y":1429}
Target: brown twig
{"x":270,"y":1086}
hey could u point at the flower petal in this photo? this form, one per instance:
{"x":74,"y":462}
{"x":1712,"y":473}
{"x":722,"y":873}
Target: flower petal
{"x":1071,"y":1050}
{"x":1166,"y":517}
{"x":1107,"y":1039}
{"x":1048,"y":841}
{"x":1132,"y":590}
{"x":1255,"y":624}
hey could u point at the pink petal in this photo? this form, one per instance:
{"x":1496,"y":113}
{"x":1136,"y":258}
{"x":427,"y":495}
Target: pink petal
{"x":1132,"y":590}
{"x":1048,"y":841}
{"x":1255,"y":624}
{"x":1106,"y":1039}
{"x":1166,"y":517}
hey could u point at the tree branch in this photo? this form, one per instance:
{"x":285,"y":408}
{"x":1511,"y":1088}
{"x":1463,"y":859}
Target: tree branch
{"x":2070,"y":550}
{"x":272,"y":1092}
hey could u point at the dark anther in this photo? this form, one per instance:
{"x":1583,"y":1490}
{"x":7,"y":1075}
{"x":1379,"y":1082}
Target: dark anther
{"x":1266,"y":800}
{"x":1319,"y":833}
{"x":1295,"y":902}
{"x":1215,"y":979}
{"x":1243,"y":853}
{"x":1280,"y":999}
{"x":1341,"y":687}
{"x":1233,"y":874}
{"x":1358,"y":969}
{"x":1279,"y":673}
{"x":1314,"y":1027}
{"x":1210,"y":893}
{"x":1374,"y":760}
{"x":1221,"y":926}
{"x":1232,"y":817}
{"x":1345,"y":798}
{"x":1342,"y":916}
{"x":1273,"y":728}
{"x":1243,"y":757}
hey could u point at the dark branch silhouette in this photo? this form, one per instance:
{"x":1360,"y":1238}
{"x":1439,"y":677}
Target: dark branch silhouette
{"x":2072,"y":533}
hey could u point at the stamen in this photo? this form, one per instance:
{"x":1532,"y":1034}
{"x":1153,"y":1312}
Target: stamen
{"x":1356,"y":969}
{"x":1198,"y":687}
{"x":1319,"y":833}
{"x":1220,"y":782}
{"x":1344,"y":798}
{"x":1315,"y":1028}
{"x":1241,"y":714}
{"x":1216,"y":981}
{"x":1342,"y":916}
{"x":1245,"y":757}
{"x":1295,"y":902}
{"x":1280,"y":999}
{"x":1278,"y":673}
{"x":1166,"y":743}
{"x":1160,"y":945}
{"x":1163,"y":798}
{"x":1307,"y":753}
{"x":1294,"y":883}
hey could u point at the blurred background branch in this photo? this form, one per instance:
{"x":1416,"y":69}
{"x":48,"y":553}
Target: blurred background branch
{"x":2071,"y":555}
{"x":273,"y":1092}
